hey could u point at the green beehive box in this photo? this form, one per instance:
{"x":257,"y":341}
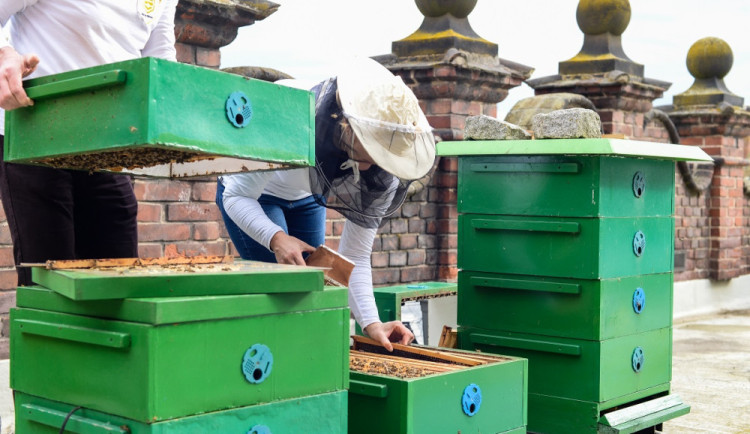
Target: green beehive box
{"x":155,"y":359}
{"x":573,"y":308}
{"x":566,"y":186}
{"x":159,"y":118}
{"x":596,"y":371}
{"x":316,"y":414}
{"x":584,"y":248}
{"x":436,"y":403}
{"x":239,"y":277}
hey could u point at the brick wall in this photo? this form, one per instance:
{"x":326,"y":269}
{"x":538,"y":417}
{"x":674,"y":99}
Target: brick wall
{"x":712,"y":226}
{"x":182,"y":213}
{"x":692,"y":232}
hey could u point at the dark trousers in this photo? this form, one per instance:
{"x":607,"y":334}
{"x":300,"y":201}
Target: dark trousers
{"x":66,"y":214}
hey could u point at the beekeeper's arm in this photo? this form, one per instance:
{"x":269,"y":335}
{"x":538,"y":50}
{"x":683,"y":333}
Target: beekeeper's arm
{"x":241,"y":193}
{"x":356,"y":244}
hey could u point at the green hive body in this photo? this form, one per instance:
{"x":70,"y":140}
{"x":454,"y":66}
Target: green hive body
{"x":153,"y":360}
{"x":166,"y":110}
{"x":433,"y":403}
{"x":566,"y":259}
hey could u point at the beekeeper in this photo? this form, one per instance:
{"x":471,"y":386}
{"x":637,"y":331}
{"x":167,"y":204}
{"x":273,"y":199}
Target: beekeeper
{"x":64,"y":214}
{"x":371,"y":141}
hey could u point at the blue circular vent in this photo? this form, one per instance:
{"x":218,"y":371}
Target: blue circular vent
{"x":259,"y":429}
{"x":638,"y":359}
{"x":639,"y":300}
{"x":257,"y":363}
{"x":239,"y":109}
{"x":471,"y":399}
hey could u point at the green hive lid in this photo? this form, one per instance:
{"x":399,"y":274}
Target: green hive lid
{"x":603,"y":146}
{"x":240,"y":277}
{"x":170,"y":310}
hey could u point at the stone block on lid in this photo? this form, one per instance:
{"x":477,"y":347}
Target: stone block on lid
{"x":484,"y":127}
{"x":574,"y":123}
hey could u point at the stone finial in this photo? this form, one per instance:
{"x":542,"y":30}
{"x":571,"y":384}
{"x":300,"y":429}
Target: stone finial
{"x":574,"y":123}
{"x":445,"y":26}
{"x":709,"y":60}
{"x":602,"y":23}
{"x":438,"y":8}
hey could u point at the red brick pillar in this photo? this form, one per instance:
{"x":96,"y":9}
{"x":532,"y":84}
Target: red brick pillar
{"x":710,"y":116}
{"x":455,"y":74}
{"x":604,"y":74}
{"x":202,"y":27}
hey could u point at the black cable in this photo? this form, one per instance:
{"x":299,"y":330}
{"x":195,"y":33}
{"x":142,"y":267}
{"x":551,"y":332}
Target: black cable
{"x":65,"y":422}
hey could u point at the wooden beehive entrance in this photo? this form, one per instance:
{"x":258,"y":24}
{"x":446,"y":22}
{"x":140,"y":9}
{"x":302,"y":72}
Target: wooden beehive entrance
{"x":369,"y":357}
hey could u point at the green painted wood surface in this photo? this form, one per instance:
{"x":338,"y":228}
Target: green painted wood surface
{"x":600,"y":146}
{"x":315,"y":414}
{"x":390,"y":298}
{"x":552,"y":414}
{"x":581,"y":369}
{"x":432,"y":404}
{"x":165,"y":105}
{"x":170,"y":310}
{"x":242,"y":277}
{"x":568,"y":186}
{"x":555,"y":306}
{"x":585,"y":248}
{"x":176,"y":370}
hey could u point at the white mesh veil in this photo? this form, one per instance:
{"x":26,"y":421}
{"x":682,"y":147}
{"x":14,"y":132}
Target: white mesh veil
{"x":364,"y":197}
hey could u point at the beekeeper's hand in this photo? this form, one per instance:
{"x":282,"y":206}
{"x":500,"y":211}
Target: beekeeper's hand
{"x":288,"y":249}
{"x":392,"y":331}
{"x":14,"y":67}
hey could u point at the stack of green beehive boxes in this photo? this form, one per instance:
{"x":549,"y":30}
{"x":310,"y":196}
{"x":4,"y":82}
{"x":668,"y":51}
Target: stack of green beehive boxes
{"x":566,"y":255}
{"x":212,"y":351}
{"x":249,"y":348}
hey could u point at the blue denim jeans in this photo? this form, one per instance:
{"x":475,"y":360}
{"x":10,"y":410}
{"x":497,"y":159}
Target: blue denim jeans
{"x":304,"y":219}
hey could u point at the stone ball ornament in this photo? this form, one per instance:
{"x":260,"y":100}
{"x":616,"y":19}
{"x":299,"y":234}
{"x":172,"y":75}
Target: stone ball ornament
{"x":438,"y":8}
{"x":596,"y":17}
{"x":709,"y":57}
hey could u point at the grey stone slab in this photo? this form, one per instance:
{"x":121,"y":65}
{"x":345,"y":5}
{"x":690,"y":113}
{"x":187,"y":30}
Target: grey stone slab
{"x":484,"y":127}
{"x":573,"y":123}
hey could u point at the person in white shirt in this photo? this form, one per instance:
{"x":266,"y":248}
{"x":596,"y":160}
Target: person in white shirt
{"x":62,"y":214}
{"x":371,"y":140}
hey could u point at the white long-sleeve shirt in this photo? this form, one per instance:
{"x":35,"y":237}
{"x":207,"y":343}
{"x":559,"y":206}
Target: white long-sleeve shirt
{"x":75,"y":34}
{"x":240,"y":199}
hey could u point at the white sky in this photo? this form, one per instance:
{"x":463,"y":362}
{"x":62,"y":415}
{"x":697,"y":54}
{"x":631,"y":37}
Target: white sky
{"x":305,"y":38}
